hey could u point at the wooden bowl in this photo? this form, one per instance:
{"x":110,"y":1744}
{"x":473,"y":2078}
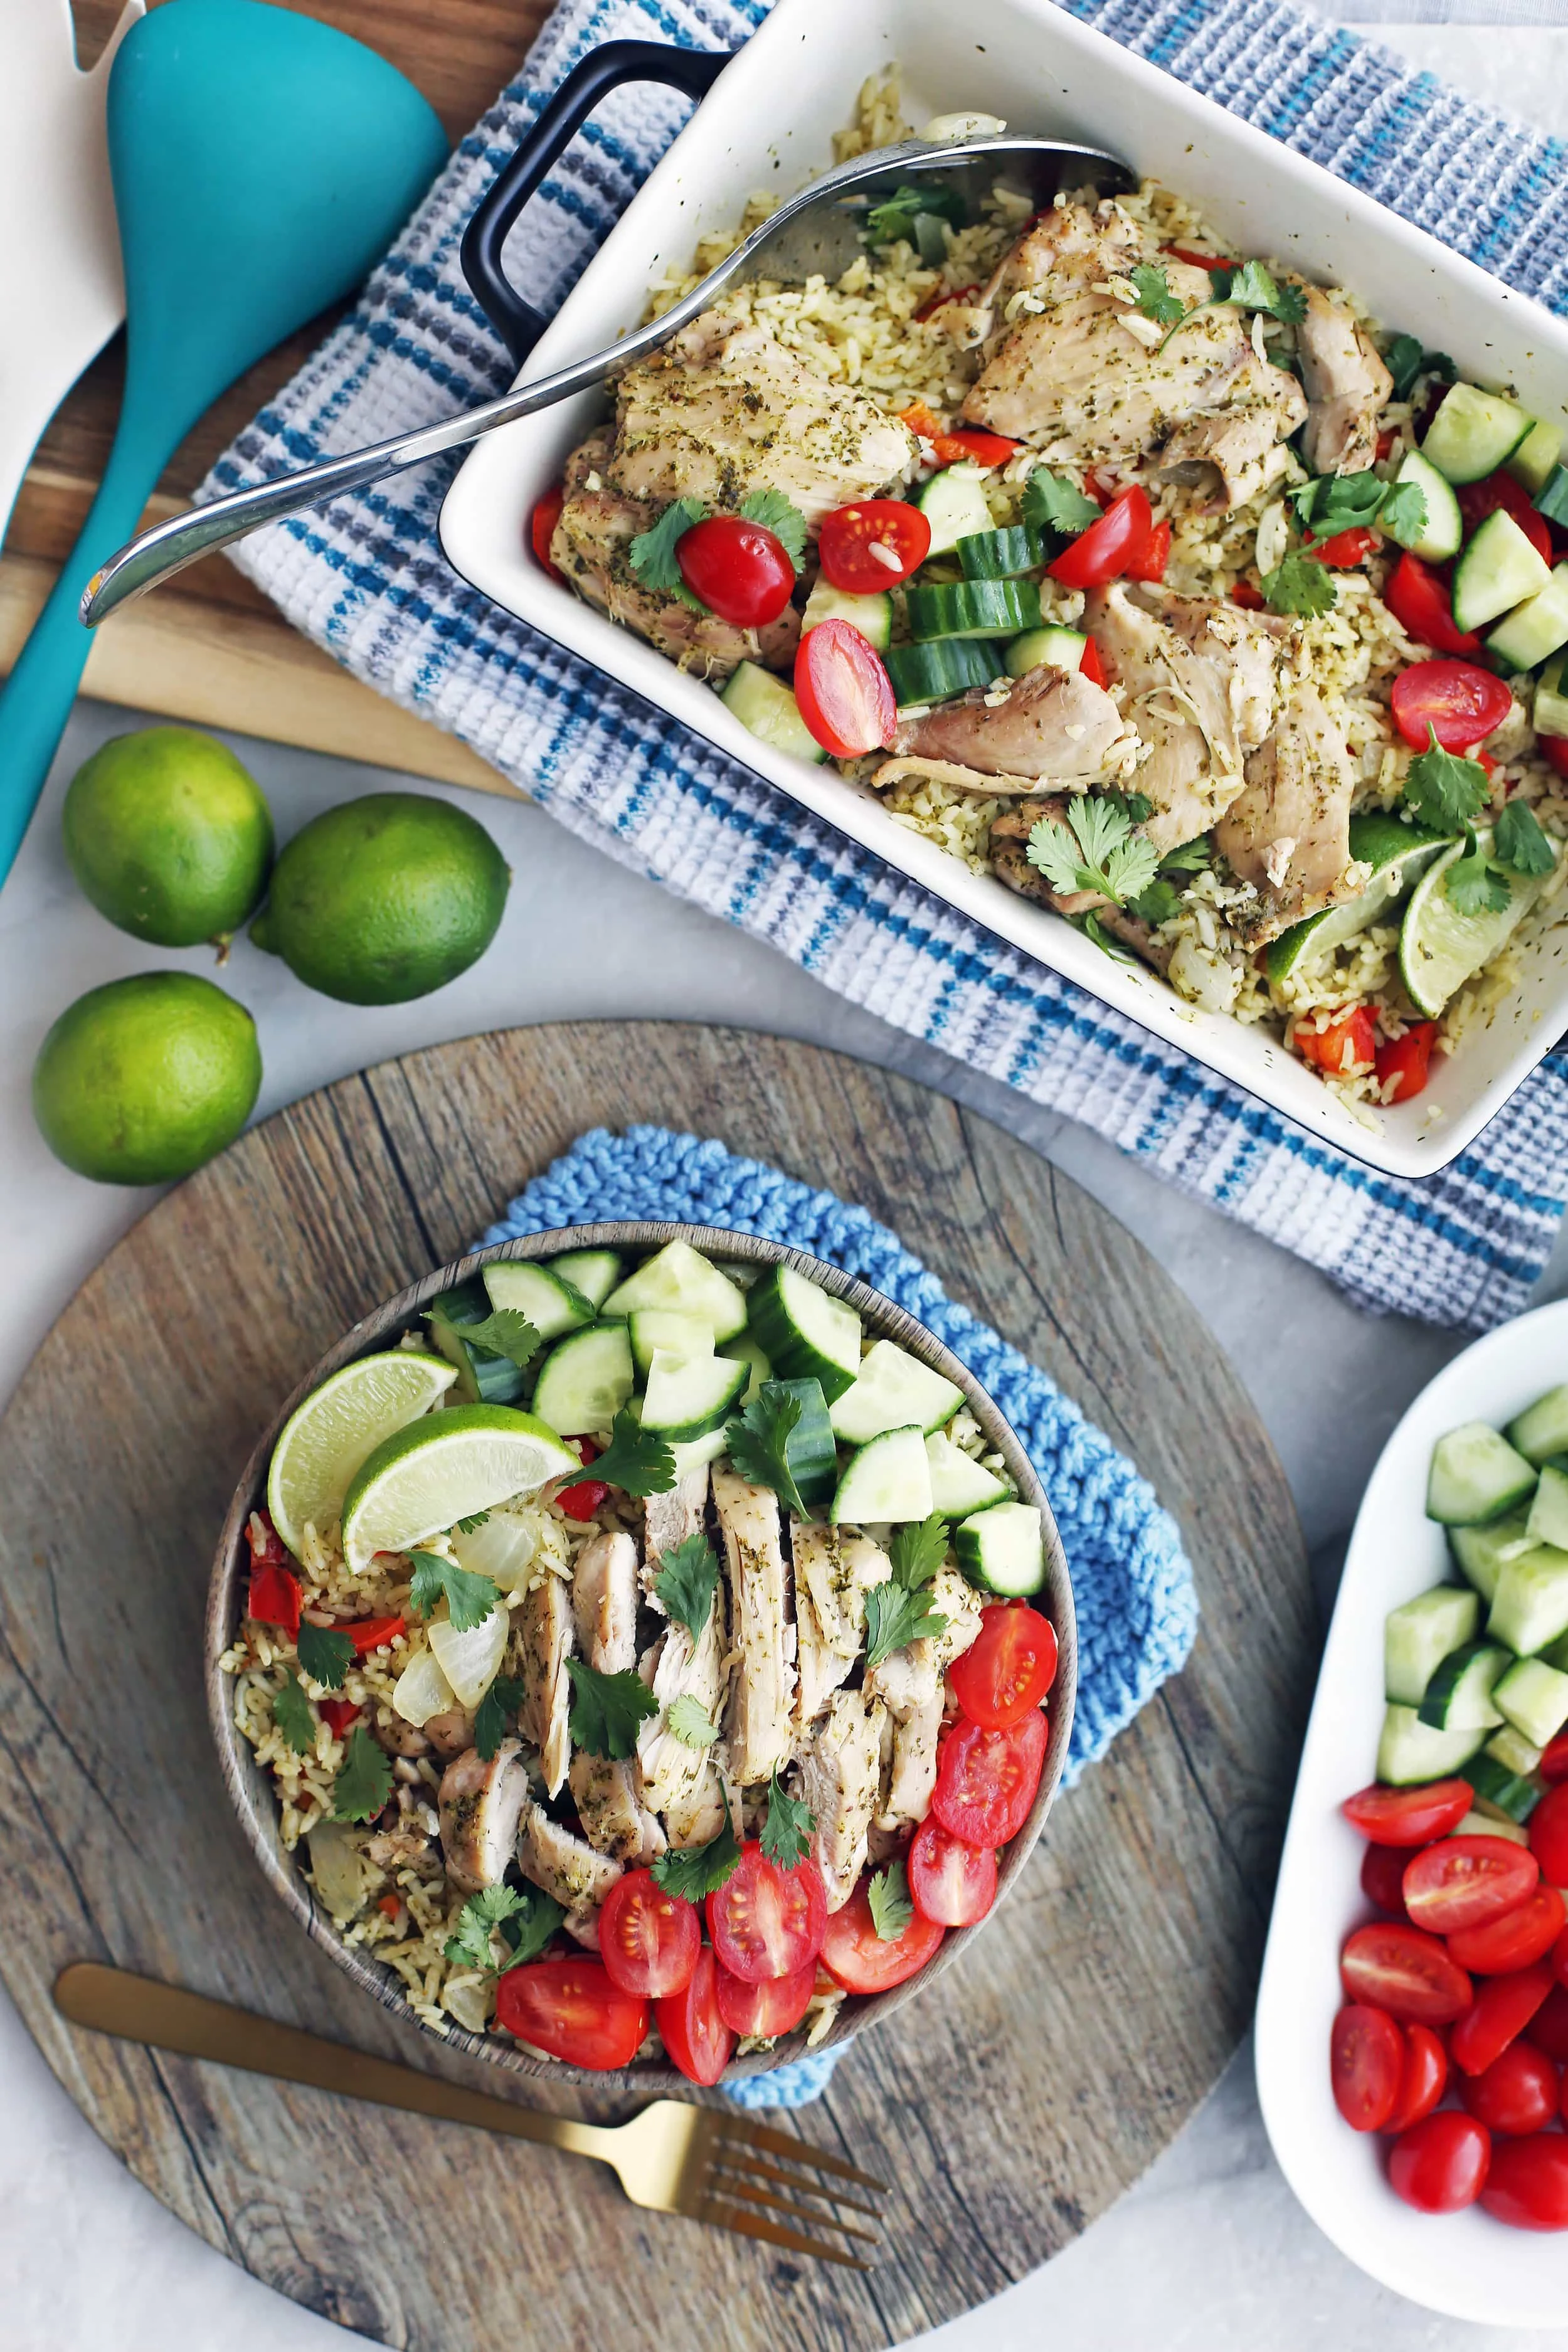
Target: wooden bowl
{"x":251,"y":1788}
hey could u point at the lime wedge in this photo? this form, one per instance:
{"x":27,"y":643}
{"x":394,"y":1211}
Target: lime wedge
{"x":325,"y":1440}
{"x":1396,"y":853}
{"x":1440,"y":949}
{"x":467,"y":1459}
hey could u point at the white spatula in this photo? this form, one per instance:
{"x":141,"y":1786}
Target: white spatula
{"x":61,"y":297}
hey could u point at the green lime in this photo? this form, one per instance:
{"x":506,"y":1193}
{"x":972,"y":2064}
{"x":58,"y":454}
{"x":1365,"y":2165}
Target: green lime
{"x":1441,"y":948}
{"x":468,"y":1459}
{"x":168,"y":835}
{"x":143,"y":1080}
{"x":384,"y":899}
{"x":325,"y":1440}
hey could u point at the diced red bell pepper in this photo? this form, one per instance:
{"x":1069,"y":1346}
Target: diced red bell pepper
{"x":968,"y":442}
{"x":274,"y":1598}
{"x":1345,"y":549}
{"x":1250,"y":599}
{"x":1151,"y":564}
{"x":541,"y":525}
{"x":389,"y":1906}
{"x":1555,"y":751}
{"x":1418,"y":599}
{"x":368,"y":1633}
{"x":1348,"y":1044}
{"x":267,"y":1547}
{"x":1090,"y":665}
{"x":928,"y":309}
{"x":1196,"y":261}
{"x":1405,"y":1060}
{"x":582,"y":1500}
{"x":337,"y":1714}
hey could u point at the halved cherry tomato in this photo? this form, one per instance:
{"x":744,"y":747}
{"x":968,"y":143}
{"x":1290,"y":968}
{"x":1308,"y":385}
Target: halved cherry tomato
{"x":1383,"y":1878}
{"x":1418,"y":601}
{"x":857,"y":1957}
{"x":1151,"y":564}
{"x":368,"y":1633}
{"x":1424,"y":2080}
{"x":690,"y":2027}
{"x":1516,"y":1940}
{"x":1108,"y":548}
{"x":846,"y":695}
{"x":1406,"y":1061}
{"x":1366,"y":2059}
{"x":1438,"y":2165}
{"x":582,"y":1500}
{"x":1464,"y":702}
{"x":1463,"y":1882}
{"x":986,"y":1781}
{"x":1250,"y":599}
{"x":1008,"y":1668}
{"x":1348,"y":1043}
{"x":1553,"y":1764}
{"x":741,"y":570}
{"x":1407,"y":1817}
{"x":1548,"y":2028}
{"x":1517,"y":2094}
{"x":1555,"y":751}
{"x":274,"y":1598}
{"x":776,"y":2006}
{"x":573,"y":2010}
{"x":765,"y":1921}
{"x":337,"y":1714}
{"x":1405,"y":1971}
{"x":649,"y":1940}
{"x":1478,"y":499}
{"x":1528,"y":2184}
{"x":1091,"y":666}
{"x":1549,"y":1837}
{"x":1501,"y":2009}
{"x":951,"y":1883}
{"x":872,"y":545}
{"x":541,"y":525}
{"x":1345,"y":549}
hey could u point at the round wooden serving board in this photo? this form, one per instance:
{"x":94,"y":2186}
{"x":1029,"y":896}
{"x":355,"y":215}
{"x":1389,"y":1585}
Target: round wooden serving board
{"x":1009,"y":2105}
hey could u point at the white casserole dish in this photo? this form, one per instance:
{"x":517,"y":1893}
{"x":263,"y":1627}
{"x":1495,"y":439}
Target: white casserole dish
{"x":772,"y":112}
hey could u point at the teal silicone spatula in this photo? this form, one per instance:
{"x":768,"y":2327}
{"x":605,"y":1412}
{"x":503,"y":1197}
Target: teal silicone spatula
{"x":261,"y":163}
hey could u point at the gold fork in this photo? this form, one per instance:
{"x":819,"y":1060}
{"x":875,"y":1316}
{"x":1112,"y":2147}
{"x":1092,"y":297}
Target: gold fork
{"x":709,"y":2165}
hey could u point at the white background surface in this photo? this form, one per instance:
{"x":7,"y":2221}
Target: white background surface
{"x":1210,"y":2250}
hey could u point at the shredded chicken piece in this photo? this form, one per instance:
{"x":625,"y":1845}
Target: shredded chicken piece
{"x":608,"y":1796}
{"x":1347,"y":386}
{"x":542,"y":1622}
{"x":579,"y":1879}
{"x":834,"y":1570}
{"x":1289,"y":831}
{"x":841,"y":1780}
{"x":668,"y":1521}
{"x":911,"y":1773}
{"x":479,"y":1804}
{"x":762,"y":1636}
{"x":678,"y":1668}
{"x":1050,"y":722}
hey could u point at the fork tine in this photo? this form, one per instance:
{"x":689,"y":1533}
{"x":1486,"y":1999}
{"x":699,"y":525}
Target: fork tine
{"x":755,"y":2225}
{"x":748,"y":2135}
{"x":755,"y":2170}
{"x":749,"y":2196}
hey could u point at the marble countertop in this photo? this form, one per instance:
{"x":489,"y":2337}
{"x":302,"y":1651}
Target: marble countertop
{"x":1210,"y":2250}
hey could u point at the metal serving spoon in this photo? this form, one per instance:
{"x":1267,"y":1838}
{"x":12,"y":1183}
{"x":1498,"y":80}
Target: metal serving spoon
{"x":818,"y":232}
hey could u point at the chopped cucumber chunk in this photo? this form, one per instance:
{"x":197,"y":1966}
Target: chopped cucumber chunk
{"x":1548,"y":1521}
{"x":889,"y":1479}
{"x":482,"y":1378}
{"x":1458,"y":1696}
{"x":959,"y":1484}
{"x":680,"y":1278}
{"x":1499,"y":569}
{"x":1534,"y":1698}
{"x":937,"y":671}
{"x":745,"y":1350}
{"x":810,"y":1449}
{"x":1530,"y":1607}
{"x":1002,"y":1549}
{"x":1552,"y":498}
{"x":663,"y":1327}
{"x":1501,"y":1792}
{"x":594,"y":1272}
{"x":1475,"y":1476}
{"x":552,"y":1302}
{"x":1410,"y":1751}
{"x":1542,"y":1427}
{"x":1549,"y":716}
{"x":1474,"y":433}
{"x":891,"y":1390}
{"x":1511,"y":1746}
{"x":1055,"y":647}
{"x":977,"y":608}
{"x":1482,"y":1553}
{"x":688,"y":1397}
{"x":1000,"y":554}
{"x":585,"y":1380}
{"x":1442,"y":526}
{"x":1536,"y":628}
{"x":803,"y":1331}
{"x":1532,"y":463}
{"x":1488,"y":1825}
{"x":1419,"y":1634}
{"x":872,"y":616}
{"x":953,"y":502}
{"x":766,"y":706}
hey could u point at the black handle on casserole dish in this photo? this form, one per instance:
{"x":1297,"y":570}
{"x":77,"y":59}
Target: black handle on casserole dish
{"x":517,"y":322}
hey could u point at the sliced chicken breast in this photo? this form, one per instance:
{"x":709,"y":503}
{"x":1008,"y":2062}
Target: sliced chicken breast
{"x":678,"y":1668}
{"x":955,"y":1596}
{"x":1008,"y":844}
{"x":668,"y":1521}
{"x":1289,"y":831}
{"x":762,"y":1631}
{"x":700,"y":1813}
{"x":1050,"y":723}
{"x":604,"y":1602}
{"x":834,"y":1570}
{"x":1347,"y":386}
{"x":840,"y":1778}
{"x":911,"y":1774}
{"x":608,"y":1798}
{"x":543,"y":1621}
{"x":579,"y":1879}
{"x":479,"y":1804}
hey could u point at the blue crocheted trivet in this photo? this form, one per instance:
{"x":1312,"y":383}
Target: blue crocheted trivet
{"x":1132,"y":1586}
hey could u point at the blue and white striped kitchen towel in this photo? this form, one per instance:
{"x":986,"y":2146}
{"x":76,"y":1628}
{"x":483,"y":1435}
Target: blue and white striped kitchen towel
{"x":365,"y":578}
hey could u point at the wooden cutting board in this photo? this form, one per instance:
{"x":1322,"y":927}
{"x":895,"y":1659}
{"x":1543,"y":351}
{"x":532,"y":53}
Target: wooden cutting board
{"x":1009,"y":2104}
{"x":208,"y":648}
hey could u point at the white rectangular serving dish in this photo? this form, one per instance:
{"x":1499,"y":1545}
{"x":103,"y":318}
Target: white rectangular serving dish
{"x":1465,"y":2263}
{"x":768,"y":122}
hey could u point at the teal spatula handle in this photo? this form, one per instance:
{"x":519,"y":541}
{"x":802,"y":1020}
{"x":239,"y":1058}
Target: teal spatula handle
{"x":36,"y":700}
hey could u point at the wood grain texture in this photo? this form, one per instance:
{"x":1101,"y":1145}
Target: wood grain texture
{"x":209,"y":646}
{"x":1009,"y":2104}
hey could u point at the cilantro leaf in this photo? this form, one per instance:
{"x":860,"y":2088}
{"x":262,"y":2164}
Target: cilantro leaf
{"x":694,"y":1870}
{"x":1102,"y":935}
{"x":1406,"y":360}
{"x":635,"y":1460}
{"x":687,"y":1580}
{"x":608,"y":1708}
{"x":503,"y":1697}
{"x":529,"y":1930}
{"x":689,"y":1725}
{"x":470,"y":1598}
{"x":652,"y":552}
{"x":1160,"y":903}
{"x":365,"y":1779}
{"x":894,"y":217}
{"x":1403,"y":511}
{"x":473,"y":1523}
{"x":1519,"y":842}
{"x":1298,"y":584}
{"x":759,"y":1444}
{"x":505,"y":1333}
{"x":1155,"y":299}
{"x":1052,"y":504}
{"x":526,"y":1916}
{"x":1337,"y":502}
{"x":1190,"y":858}
{"x":917,"y":1551}
{"x":782,"y":517}
{"x":325,"y":1654}
{"x":893,"y":1912}
{"x":1095,"y":850}
{"x":1136,"y":807}
{"x":1443,"y":790}
{"x":895,"y":1617}
{"x":787,"y":1832}
{"x":1252,"y":288}
{"x":291,"y":1714}
{"x":1474,"y":884}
